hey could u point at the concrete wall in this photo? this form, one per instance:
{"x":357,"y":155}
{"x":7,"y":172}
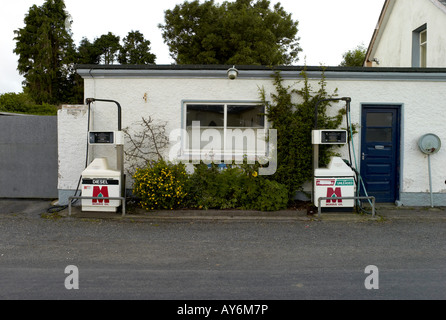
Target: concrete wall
{"x":28,"y":157}
{"x":72,"y":135}
{"x":394,"y":49}
{"x":421,"y":97}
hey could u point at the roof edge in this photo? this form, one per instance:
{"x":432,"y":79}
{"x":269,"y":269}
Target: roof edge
{"x":173,"y":67}
{"x":440,"y":5}
{"x":259,"y":72}
{"x":387,"y":8}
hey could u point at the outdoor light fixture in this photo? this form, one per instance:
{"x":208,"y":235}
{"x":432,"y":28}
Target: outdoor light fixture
{"x":232,"y":73}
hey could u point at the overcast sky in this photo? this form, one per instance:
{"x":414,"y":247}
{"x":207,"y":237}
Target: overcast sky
{"x":327,"y":28}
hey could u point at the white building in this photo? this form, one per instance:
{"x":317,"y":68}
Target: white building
{"x":409,"y":34}
{"x":394,"y":108}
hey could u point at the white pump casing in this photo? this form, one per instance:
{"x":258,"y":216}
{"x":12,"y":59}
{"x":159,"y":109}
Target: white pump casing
{"x":98,"y":180}
{"x":335,"y":181}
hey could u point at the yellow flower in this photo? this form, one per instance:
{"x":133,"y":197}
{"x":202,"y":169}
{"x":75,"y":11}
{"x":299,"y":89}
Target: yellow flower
{"x":255,"y":174}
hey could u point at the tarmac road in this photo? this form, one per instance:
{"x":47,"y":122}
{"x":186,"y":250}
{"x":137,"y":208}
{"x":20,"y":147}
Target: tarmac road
{"x":228,"y":257}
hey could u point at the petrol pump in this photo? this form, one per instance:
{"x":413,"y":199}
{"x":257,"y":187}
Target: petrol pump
{"x":99,"y":180}
{"x":337,"y":181}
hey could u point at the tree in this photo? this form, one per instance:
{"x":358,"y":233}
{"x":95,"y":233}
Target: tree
{"x":354,"y":58}
{"x":136,"y":50}
{"x":46,"y":52}
{"x":88,"y":53}
{"x":108,"y":46}
{"x":241,"y":32}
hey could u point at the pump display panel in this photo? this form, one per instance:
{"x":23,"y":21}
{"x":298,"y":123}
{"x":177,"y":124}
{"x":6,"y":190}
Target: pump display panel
{"x":101,"y":137}
{"x":334,"y":136}
{"x":329,"y":137}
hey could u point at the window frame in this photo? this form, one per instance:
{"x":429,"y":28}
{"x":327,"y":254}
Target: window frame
{"x":419,"y":60}
{"x":195,"y":154}
{"x":423,"y":49}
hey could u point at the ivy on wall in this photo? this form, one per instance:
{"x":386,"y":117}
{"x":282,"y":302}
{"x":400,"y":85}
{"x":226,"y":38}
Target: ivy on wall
{"x":294,"y":122}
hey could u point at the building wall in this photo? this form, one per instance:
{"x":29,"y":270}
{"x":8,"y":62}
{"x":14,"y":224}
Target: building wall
{"x":72,"y":139}
{"x":395,"y":46}
{"x":162,"y":98}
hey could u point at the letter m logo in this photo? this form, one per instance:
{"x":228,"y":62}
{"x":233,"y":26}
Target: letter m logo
{"x":334,"y":193}
{"x":101,"y":192}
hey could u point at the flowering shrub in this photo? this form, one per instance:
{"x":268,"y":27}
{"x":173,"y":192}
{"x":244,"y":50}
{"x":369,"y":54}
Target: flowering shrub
{"x":166,"y":186}
{"x":161,"y":186}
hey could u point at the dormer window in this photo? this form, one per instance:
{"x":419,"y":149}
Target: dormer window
{"x":419,"y":47}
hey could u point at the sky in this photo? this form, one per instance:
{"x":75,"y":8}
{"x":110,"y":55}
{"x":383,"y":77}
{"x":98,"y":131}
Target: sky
{"x":327,"y":28}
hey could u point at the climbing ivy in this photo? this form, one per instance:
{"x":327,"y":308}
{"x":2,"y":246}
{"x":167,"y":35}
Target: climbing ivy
{"x":294,"y":122}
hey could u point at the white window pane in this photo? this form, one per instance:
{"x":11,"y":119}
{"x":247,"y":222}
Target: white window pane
{"x":423,"y":49}
{"x":423,"y":37}
{"x":423,"y":56}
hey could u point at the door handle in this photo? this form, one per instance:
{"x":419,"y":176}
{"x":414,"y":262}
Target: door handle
{"x":363,"y":156}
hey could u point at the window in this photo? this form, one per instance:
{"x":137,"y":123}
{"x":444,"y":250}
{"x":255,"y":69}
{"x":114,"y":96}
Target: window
{"x":423,"y":49}
{"x":419,"y":47}
{"x":208,"y":118}
{"x":223,"y":128}
{"x":379,"y":126}
{"x":246,"y":116}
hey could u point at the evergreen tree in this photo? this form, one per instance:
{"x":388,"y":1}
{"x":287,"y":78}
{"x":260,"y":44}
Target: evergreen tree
{"x":136,"y":50}
{"x":88,"y":53}
{"x":46,"y":53}
{"x":108,"y":47}
{"x":240,"y":32}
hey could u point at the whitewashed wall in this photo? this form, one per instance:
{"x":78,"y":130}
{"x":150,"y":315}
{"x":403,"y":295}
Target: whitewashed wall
{"x":394,"y":49}
{"x":422,"y":103}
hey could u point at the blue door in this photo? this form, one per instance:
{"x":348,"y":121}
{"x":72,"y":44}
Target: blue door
{"x":380,"y":151}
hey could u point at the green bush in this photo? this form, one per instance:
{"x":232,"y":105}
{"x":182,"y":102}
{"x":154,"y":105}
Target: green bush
{"x":236,"y":187}
{"x":161,"y":186}
{"x":22,"y":103}
{"x":168,"y":186}
{"x":273,"y":196}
